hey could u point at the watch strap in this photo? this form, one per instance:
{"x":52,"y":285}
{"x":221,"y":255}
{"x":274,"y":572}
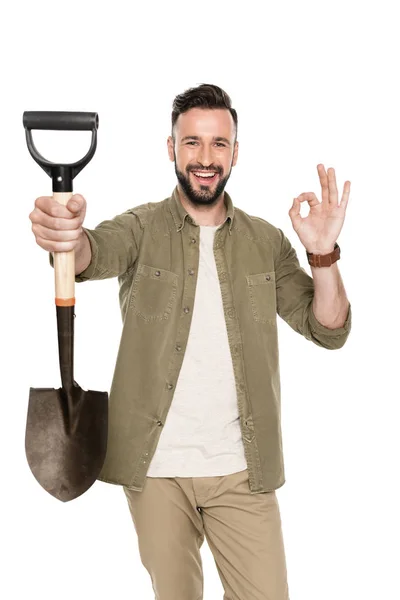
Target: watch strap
{"x":324,"y":260}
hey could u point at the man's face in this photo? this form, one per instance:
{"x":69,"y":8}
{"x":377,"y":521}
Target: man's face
{"x":204,"y":153}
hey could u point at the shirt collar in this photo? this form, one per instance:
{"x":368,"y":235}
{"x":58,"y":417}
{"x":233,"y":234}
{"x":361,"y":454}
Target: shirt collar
{"x":179,"y":213}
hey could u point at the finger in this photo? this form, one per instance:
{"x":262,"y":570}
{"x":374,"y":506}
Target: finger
{"x":60,"y":223}
{"x":51,"y":207}
{"x":309,"y":197}
{"x":294,"y":213}
{"x":333,"y":192}
{"x":345,"y":196}
{"x":48,"y":205}
{"x":51,"y":246}
{"x":54,"y":235}
{"x":323,"y":178}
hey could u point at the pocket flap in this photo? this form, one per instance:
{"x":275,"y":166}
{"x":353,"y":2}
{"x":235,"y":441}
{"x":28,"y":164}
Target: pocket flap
{"x":259,"y":278}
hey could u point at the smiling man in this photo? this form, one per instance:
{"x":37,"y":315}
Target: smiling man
{"x":203,"y":163}
{"x":194,"y":418}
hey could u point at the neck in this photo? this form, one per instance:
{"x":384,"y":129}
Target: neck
{"x":204,"y":215}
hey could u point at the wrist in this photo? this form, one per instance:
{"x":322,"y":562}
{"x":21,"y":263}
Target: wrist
{"x":81,"y":246}
{"x":321,"y":251}
{"x":321,"y":257}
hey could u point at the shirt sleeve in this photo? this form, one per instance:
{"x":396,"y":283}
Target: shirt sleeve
{"x":294,"y":297}
{"x":114,"y":244}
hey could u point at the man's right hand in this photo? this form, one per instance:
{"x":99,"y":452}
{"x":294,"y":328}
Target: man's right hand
{"x":58,"y":228}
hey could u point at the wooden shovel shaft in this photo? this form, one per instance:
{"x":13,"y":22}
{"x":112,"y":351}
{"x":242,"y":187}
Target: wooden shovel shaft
{"x":64,"y":266}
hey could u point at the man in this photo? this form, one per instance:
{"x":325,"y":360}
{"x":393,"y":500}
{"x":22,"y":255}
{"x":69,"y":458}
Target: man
{"x":194,"y":420}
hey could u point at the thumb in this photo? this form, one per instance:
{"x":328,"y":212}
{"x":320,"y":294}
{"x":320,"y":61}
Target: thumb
{"x":75,"y":203}
{"x":294,"y":214}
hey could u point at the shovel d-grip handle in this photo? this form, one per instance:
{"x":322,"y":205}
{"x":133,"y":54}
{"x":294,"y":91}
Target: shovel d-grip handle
{"x":67,"y":121}
{"x":62,"y":175}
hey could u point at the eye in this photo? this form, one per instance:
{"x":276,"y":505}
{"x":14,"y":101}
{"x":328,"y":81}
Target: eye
{"x":220,"y":144}
{"x":192,"y":142}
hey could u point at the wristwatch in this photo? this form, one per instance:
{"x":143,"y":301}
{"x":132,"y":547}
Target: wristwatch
{"x":324,"y":260}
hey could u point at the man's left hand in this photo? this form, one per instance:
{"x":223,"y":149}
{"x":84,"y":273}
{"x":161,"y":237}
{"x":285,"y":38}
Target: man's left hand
{"x":319,"y":230}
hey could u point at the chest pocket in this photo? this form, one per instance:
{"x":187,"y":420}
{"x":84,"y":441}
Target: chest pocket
{"x":153,"y":293}
{"x":262,"y":292}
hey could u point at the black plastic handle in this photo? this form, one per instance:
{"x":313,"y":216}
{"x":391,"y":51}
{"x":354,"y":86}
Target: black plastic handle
{"x":61,"y":174}
{"x":59,"y":120}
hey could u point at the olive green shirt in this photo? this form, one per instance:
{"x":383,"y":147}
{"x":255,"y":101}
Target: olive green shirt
{"x":153,"y":249}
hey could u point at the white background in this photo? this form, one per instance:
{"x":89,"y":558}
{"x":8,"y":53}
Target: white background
{"x":312,"y":82}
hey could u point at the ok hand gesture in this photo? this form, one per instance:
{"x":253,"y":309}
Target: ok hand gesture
{"x":319,"y":231}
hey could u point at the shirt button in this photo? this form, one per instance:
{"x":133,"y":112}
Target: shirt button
{"x":170,"y":386}
{"x":193,"y":241}
{"x":159,"y":423}
{"x":157,"y":273}
{"x":178,"y":347}
{"x":186,"y":309}
{"x":191,"y":272}
{"x":268,"y":277}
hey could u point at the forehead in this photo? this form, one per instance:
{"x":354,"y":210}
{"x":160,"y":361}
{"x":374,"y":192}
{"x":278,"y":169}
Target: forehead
{"x":205,"y":122}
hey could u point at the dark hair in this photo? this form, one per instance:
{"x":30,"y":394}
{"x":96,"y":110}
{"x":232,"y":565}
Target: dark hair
{"x":205,"y":95}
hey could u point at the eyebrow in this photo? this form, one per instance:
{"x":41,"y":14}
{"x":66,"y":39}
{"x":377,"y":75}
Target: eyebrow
{"x":215,"y":139}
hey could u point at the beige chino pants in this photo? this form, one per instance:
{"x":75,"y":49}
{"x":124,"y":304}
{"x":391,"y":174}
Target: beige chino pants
{"x":243,"y":530}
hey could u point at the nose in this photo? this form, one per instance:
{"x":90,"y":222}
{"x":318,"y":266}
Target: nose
{"x":205,"y":156}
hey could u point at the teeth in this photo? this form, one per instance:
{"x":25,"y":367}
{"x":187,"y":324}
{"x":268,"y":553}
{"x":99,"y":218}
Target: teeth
{"x":204,"y":174}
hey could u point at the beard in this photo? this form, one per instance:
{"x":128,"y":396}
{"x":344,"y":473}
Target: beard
{"x":205,"y":196}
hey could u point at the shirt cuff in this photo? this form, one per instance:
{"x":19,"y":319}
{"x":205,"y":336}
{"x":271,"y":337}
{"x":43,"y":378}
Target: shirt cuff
{"x":91,"y":268}
{"x":317,"y":327}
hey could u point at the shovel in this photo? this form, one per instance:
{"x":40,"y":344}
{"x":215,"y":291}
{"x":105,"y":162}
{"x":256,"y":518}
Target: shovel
{"x":66,"y":429}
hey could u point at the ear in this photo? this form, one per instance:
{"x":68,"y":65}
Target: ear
{"x":235,"y":154}
{"x":171,"y":152}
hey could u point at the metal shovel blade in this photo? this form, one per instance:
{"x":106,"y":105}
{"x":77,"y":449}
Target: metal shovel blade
{"x":66,"y":429}
{"x":66,"y":438}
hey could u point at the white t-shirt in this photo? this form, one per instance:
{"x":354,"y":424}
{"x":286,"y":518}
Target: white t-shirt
{"x":201,"y":436}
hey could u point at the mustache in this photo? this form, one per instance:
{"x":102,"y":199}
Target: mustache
{"x":200,"y":168}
